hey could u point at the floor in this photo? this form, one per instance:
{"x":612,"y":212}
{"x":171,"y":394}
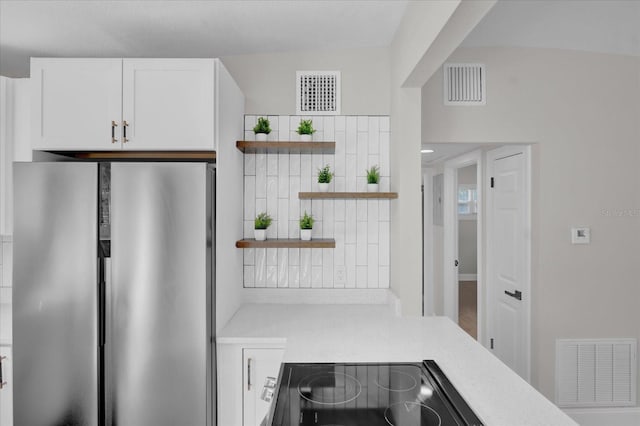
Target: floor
{"x":468,"y":307}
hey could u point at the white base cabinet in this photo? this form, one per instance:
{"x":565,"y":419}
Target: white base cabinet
{"x":124,"y":104}
{"x":242,"y":370}
{"x":6,"y":393}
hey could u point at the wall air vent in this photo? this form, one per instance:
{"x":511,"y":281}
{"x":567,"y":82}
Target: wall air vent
{"x":464,"y":84}
{"x":596,"y":372}
{"x":318,"y":92}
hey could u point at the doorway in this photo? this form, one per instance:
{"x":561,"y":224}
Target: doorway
{"x":467,"y":211}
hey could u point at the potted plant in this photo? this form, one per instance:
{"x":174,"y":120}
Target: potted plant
{"x":373,"y":178}
{"x":261,"y":223}
{"x":262,"y":129}
{"x":306,"y":130}
{"x":306,"y":225}
{"x":324,"y":178}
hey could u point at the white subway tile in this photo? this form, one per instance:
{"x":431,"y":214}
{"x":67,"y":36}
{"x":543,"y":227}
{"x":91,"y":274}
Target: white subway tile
{"x":249,"y":256}
{"x":372,"y":266}
{"x":329,"y":128}
{"x":383,"y":243}
{"x":361,"y":210}
{"x":272,"y":276}
{"x":305,"y":267}
{"x":316,"y":257}
{"x":283,"y":267}
{"x":316,"y":277}
{"x":328,"y":228}
{"x":383,"y":277}
{"x":361,"y":276}
{"x":374,"y":135}
{"x":261,"y":206}
{"x":283,"y":164}
{"x":338,"y":252}
{"x":294,"y":276}
{"x":327,"y":211}
{"x":305,"y":207}
{"x":249,"y":135}
{"x":384,"y":154}
{"x":351,"y":164}
{"x":372,"y":221}
{"x":273,"y":136}
{"x":272,"y":165}
{"x":339,"y":210}
{"x":340,"y":153}
{"x":374,"y":160}
{"x":361,"y":243}
{"x":283,"y":127}
{"x":383,"y":210}
{"x":261,"y":267}
{"x":283,"y":218}
{"x":361,"y":183}
{"x":249,"y":197}
{"x":294,"y":202}
{"x":261,"y":176}
{"x":283,"y":186}
{"x":318,"y":136}
{"x":362,"y":161}
{"x":316,"y":232}
{"x":294,"y":256}
{"x":351,"y":215}
{"x":350,"y":262}
{"x":274,"y":122}
{"x":340,"y":123}
{"x":385,"y":184}
{"x":352,"y":135}
{"x":339,"y":184}
{"x":249,"y":276}
{"x":294,"y":164}
{"x":249,"y":164}
{"x":327,"y":268}
{"x":272,"y":188}
{"x":363,"y":123}
{"x":384,"y":123}
{"x":318,"y":122}
{"x":272,"y":256}
{"x":294,"y":228}
{"x":272,"y":231}
{"x":305,"y":172}
{"x":248,"y":229}
{"x":294,"y":122}
{"x":250,"y":122}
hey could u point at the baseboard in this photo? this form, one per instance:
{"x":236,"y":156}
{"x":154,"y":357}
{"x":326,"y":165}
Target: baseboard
{"x":627,"y":416}
{"x":467,"y":277}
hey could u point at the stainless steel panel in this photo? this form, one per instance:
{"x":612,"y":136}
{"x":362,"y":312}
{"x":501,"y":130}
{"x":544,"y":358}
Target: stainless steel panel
{"x":54,"y":294}
{"x":158,"y":340}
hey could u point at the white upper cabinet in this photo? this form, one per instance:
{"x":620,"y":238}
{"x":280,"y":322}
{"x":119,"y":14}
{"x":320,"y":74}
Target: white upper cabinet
{"x":168,"y":104}
{"x":130,"y":104}
{"x":75,"y":102}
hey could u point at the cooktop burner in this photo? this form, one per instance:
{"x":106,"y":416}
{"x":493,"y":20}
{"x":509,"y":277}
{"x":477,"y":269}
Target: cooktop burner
{"x":368,"y":394}
{"x":343,"y":388}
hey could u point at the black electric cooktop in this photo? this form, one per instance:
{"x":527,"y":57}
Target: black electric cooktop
{"x":396,"y":394}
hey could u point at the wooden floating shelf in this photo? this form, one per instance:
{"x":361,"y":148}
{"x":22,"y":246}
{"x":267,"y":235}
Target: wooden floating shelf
{"x":286,"y":243}
{"x":208,"y":156}
{"x":333,"y":195}
{"x":286,"y":147}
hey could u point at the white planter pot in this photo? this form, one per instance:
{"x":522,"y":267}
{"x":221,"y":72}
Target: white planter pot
{"x":260,"y":234}
{"x":372,"y":187}
{"x":261,"y":137}
{"x":305,"y":138}
{"x":305,"y":234}
{"x":323,"y":187}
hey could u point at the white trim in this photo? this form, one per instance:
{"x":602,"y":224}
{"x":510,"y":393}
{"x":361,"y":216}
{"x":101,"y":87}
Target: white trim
{"x":502,"y":152}
{"x":428,"y":279}
{"x":451,"y":276}
{"x":467,"y":277}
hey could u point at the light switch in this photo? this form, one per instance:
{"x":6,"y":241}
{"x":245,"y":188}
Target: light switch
{"x":580,"y":235}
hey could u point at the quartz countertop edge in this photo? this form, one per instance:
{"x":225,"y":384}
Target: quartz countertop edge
{"x":371,"y":333}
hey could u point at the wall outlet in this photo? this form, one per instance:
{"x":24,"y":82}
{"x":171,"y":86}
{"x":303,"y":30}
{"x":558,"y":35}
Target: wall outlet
{"x":580,"y":235}
{"x":341,"y":274}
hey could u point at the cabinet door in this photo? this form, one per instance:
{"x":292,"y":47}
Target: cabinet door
{"x":168,"y":104}
{"x":258,"y":364}
{"x":75,"y":102}
{"x":6,"y":393}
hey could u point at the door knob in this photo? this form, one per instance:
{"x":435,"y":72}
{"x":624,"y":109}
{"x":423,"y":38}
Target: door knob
{"x":516,"y":295}
{"x":456,"y":262}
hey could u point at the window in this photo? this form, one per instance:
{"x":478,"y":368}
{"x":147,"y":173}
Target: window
{"x":467,"y":201}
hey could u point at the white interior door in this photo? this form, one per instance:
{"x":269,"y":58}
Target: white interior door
{"x":508,"y":256}
{"x":168,"y":104}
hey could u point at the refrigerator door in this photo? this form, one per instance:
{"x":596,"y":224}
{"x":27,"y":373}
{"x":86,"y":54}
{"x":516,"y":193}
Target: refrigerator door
{"x":158,"y":298}
{"x":54,"y":294}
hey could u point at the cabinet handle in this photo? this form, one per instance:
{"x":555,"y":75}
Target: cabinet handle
{"x":2,"y":382}
{"x":125,"y":124}
{"x":249,"y":374}
{"x":113,"y":132}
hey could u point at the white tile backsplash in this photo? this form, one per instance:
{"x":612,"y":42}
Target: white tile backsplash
{"x":360,"y":227}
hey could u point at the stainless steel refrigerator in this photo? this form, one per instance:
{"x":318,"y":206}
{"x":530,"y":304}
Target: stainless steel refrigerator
{"x":113,"y":296}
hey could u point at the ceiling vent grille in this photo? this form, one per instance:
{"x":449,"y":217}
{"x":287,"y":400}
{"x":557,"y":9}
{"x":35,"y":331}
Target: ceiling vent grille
{"x":464,"y":84}
{"x":318,"y":92}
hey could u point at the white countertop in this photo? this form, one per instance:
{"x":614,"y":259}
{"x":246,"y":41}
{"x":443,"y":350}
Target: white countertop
{"x":370,"y":333}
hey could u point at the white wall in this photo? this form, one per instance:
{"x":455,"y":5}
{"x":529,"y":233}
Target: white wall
{"x":583,"y":112}
{"x":268,"y":81}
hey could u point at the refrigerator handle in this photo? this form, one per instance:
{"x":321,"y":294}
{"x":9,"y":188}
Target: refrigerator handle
{"x":101,"y":302}
{"x":2,"y":382}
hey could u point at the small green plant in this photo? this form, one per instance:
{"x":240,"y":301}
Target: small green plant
{"x":373,"y":174}
{"x":262,"y":221}
{"x":306,"y":221}
{"x":263,"y":126}
{"x":324,"y":174}
{"x":306,"y":127}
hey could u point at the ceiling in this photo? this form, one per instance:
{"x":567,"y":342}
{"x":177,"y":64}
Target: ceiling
{"x":188,"y":28}
{"x":605,"y":26}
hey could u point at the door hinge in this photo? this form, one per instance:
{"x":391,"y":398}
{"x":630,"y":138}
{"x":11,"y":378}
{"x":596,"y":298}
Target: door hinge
{"x":492,"y":182}
{"x":492,"y":343}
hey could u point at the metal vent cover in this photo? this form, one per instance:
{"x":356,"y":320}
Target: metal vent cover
{"x":596,"y":372}
{"x":464,"y":84}
{"x":318,"y":92}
